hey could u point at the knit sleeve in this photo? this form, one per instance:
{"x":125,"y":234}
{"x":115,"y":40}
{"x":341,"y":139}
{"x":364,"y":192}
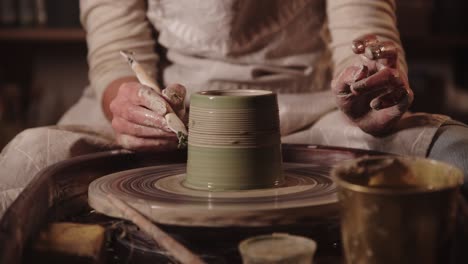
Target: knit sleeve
{"x":111,"y":26}
{"x":350,"y":19}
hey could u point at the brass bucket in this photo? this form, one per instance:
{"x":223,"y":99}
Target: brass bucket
{"x":397,"y":209}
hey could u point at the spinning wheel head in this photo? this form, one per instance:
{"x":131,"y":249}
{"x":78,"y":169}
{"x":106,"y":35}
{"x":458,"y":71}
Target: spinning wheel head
{"x":159,"y":193}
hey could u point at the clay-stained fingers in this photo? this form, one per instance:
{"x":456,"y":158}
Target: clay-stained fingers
{"x":383,"y":79}
{"x":359,"y":45}
{"x":385,"y":52}
{"x":146,"y":144}
{"x":352,"y":74}
{"x":144,"y":96}
{"x":138,"y":115}
{"x":125,"y":127}
{"x":175,"y":95}
{"x":396,"y":97}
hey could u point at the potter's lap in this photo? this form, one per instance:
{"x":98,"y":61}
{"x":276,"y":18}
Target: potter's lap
{"x":24,"y":156}
{"x":36,"y":148}
{"x":413,"y":136}
{"x":451,"y":145}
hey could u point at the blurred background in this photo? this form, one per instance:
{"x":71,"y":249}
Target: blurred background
{"x":43,"y":69}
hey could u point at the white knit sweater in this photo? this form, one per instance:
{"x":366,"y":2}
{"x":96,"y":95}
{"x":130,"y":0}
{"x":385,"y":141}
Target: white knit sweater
{"x":289,"y":46}
{"x":248,"y":42}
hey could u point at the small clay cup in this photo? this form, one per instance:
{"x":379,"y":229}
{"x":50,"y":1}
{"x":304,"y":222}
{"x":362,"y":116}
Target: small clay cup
{"x":277,"y":248}
{"x":234,"y":140}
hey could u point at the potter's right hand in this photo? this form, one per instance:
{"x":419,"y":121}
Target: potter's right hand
{"x":138,"y":116}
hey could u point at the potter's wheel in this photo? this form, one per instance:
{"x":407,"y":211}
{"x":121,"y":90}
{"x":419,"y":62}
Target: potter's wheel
{"x":308,"y":194}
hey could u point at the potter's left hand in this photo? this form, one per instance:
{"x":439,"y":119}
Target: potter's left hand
{"x":373,"y":92}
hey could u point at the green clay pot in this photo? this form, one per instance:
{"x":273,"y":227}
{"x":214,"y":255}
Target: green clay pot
{"x":234,"y":141}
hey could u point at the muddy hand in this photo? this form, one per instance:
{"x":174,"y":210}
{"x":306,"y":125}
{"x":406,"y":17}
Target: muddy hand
{"x":373,"y":92}
{"x":172,"y":117}
{"x":139,"y":116}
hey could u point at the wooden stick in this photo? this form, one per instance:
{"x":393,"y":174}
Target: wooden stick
{"x":177,"y":250}
{"x":140,"y":73}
